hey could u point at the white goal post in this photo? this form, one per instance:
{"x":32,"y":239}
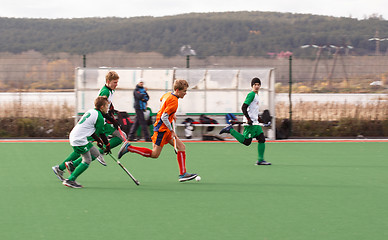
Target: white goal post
{"x":214,"y":91}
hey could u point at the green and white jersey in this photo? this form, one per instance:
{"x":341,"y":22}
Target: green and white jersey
{"x":105,"y":91}
{"x":92,"y":121}
{"x":252,"y":100}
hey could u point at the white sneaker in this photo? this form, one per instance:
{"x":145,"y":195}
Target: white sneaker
{"x":58,"y":172}
{"x":72,"y":184}
{"x":101,"y":160}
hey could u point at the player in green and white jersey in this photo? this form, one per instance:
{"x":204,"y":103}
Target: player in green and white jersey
{"x":250,"y":109}
{"x":110,"y":128}
{"x":90,"y":125}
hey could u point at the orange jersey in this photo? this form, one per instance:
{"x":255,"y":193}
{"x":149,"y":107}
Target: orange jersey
{"x":169,"y":105}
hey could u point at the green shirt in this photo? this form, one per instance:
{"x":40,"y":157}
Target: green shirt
{"x":105,"y":91}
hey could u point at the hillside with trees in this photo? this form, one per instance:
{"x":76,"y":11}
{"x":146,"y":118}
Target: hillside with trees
{"x":210,"y":34}
{"x":337,"y":57}
{"x":41,"y":54}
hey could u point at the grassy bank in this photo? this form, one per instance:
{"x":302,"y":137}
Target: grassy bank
{"x":343,"y":128}
{"x":34,"y":127}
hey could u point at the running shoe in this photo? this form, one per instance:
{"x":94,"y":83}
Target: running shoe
{"x":58,"y":172}
{"x":124,"y":149}
{"x":187,"y":177}
{"x":263,"y":163}
{"x":226,"y":129}
{"x":72,"y":184}
{"x":70,"y":167}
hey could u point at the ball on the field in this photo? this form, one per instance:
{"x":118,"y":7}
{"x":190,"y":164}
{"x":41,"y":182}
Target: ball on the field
{"x":197,"y":178}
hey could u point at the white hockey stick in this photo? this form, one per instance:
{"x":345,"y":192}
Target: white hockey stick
{"x":173,"y":127}
{"x":259,"y":124}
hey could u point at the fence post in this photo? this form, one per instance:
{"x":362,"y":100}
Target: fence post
{"x":289,"y":94}
{"x":84,"y":60}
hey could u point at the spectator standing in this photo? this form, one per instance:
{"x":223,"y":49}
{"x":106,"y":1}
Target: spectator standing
{"x":140,"y":104}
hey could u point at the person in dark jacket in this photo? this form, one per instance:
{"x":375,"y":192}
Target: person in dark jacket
{"x":140,"y":104}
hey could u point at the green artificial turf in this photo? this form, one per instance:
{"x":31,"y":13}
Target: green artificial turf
{"x":312,"y":191}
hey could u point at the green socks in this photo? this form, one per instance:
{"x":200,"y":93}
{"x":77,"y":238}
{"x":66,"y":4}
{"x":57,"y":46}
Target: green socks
{"x":73,"y":156}
{"x":114,"y":142}
{"x":78,"y":171}
{"x":261,"y":149}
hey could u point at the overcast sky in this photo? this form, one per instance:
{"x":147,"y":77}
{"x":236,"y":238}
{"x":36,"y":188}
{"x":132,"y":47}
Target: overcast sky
{"x":132,"y":8}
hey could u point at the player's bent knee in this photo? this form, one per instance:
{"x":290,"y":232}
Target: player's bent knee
{"x":182,"y":148}
{"x":261,"y":138}
{"x":87,"y":160}
{"x":247,"y":142}
{"x":180,"y":145}
{"x":122,"y":135}
{"x":156,"y":151}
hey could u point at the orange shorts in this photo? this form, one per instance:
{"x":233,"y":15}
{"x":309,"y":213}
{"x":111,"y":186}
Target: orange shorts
{"x":161,"y":138}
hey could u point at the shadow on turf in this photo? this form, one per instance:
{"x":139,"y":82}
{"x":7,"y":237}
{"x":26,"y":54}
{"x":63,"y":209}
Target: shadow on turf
{"x":334,"y":166}
{"x":173,"y":187}
{"x":207,"y":187}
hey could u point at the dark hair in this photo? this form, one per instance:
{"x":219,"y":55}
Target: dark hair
{"x":255,"y":80}
{"x":100,"y":101}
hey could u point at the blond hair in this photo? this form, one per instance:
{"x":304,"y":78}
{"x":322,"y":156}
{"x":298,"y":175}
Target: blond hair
{"x":111,"y":75}
{"x":180,"y":84}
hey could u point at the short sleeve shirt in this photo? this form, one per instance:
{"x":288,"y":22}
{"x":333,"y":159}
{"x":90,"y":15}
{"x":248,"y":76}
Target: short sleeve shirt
{"x":105,"y":91}
{"x":92,"y":121}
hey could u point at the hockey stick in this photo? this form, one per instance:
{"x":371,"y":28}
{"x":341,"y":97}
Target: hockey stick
{"x":259,"y":124}
{"x":122,"y":134}
{"x":173,"y":127}
{"x":129,"y":174}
